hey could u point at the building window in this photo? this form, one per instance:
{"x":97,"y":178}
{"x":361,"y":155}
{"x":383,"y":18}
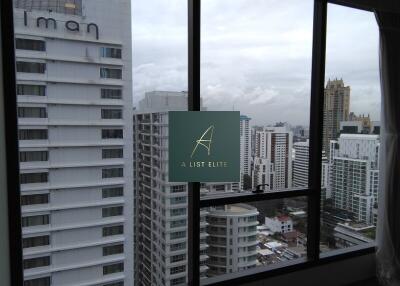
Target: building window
{"x":112,"y":192}
{"x":110,"y":73}
{"x":112,"y":153}
{"x":32,"y":112}
{"x":36,"y":199}
{"x":29,"y":44}
{"x":177,"y":258}
{"x":178,"y":281}
{"x":179,"y":234}
{"x":32,"y":134}
{"x":31,"y":178}
{"x":113,"y":230}
{"x":177,"y":269}
{"x":112,"y":211}
{"x":114,"y":284}
{"x":113,"y":249}
{"x":30,"y":89}
{"x":36,"y":262}
{"x":31,"y":67}
{"x":112,"y":133}
{"x":111,"y":114}
{"x":109,"y":93}
{"x":35,"y":220}
{"x":36,"y":241}
{"x":33,"y":156}
{"x":112,"y":173}
{"x":113,"y":268}
{"x":110,"y":52}
{"x":42,"y":281}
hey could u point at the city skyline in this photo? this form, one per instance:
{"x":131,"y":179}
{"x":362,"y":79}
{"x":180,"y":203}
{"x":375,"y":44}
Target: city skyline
{"x":242,"y":69}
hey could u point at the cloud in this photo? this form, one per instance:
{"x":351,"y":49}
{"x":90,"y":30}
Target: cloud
{"x":256,"y":56}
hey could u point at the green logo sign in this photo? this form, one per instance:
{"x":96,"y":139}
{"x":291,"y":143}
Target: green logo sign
{"x":204,"y":146}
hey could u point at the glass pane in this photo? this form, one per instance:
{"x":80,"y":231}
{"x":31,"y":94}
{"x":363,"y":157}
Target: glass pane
{"x":257,"y":62}
{"x":351,"y":129}
{"x":159,"y":85}
{"x":240,"y":237}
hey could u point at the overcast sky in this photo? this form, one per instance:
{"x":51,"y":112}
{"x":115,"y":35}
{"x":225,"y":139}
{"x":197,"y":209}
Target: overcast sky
{"x":255,"y":58}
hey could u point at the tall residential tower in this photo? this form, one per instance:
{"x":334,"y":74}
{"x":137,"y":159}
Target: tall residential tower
{"x":74,"y":88}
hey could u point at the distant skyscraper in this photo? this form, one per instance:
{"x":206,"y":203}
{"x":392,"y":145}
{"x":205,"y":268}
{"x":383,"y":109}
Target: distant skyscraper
{"x":336,"y":109}
{"x":74,"y":86}
{"x":232,"y":239}
{"x":245,"y":148}
{"x":354,"y":175}
{"x":273,"y":158}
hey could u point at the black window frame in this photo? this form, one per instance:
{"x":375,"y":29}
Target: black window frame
{"x":10,"y":114}
{"x":312,"y":191}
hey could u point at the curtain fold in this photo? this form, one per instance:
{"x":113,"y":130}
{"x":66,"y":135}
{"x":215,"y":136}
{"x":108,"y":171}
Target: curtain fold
{"x":388,"y":227}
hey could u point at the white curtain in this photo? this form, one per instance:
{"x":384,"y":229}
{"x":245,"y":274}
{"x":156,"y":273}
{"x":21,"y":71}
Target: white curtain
{"x":388,"y":227}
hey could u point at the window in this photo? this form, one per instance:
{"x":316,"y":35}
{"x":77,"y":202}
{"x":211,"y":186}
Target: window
{"x":30,"y":89}
{"x":33,"y":156}
{"x":111,"y":114}
{"x":112,"y":153}
{"x":35,"y":220}
{"x":112,"y":173}
{"x":110,"y":73}
{"x":114,"y":284}
{"x":34,"y":199}
{"x":113,"y":268}
{"x":36,"y":241}
{"x":112,"y":192}
{"x":43,"y":281}
{"x":111,"y":134}
{"x":113,"y":230}
{"x":177,"y":269}
{"x":113,"y":249}
{"x":31,"y":67}
{"x":31,"y":178}
{"x":179,"y":234}
{"x":32,"y":112}
{"x":32,"y":134}
{"x":28,"y":44}
{"x":112,"y":211}
{"x":110,"y":52}
{"x":36,"y":262}
{"x":177,"y":258}
{"x":109,"y":93}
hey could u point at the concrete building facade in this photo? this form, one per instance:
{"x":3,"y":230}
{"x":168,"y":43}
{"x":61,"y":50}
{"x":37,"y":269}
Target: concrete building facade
{"x":74,"y":89}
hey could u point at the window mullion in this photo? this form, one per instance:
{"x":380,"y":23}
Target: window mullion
{"x":316,"y":124}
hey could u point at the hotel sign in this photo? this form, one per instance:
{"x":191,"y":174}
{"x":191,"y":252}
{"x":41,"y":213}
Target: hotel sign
{"x":204,"y":146}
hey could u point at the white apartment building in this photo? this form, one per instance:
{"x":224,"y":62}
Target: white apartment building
{"x":161,"y":207}
{"x":74,"y":94}
{"x":354,"y":174}
{"x":279,"y":224}
{"x":301,"y":166}
{"x":245,"y":148}
{"x":232,"y":238}
{"x":273,"y":158}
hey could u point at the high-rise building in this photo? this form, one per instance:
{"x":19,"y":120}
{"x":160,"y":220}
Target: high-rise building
{"x":161,"y":206}
{"x":354,"y":175}
{"x":245,"y":151}
{"x":232,"y":239}
{"x":301,"y":165}
{"x":74,"y":88}
{"x":273,"y":158}
{"x":336,"y":109}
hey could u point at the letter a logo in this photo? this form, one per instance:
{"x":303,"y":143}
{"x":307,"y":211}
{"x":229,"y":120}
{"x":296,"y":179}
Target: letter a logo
{"x":205,"y":140}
